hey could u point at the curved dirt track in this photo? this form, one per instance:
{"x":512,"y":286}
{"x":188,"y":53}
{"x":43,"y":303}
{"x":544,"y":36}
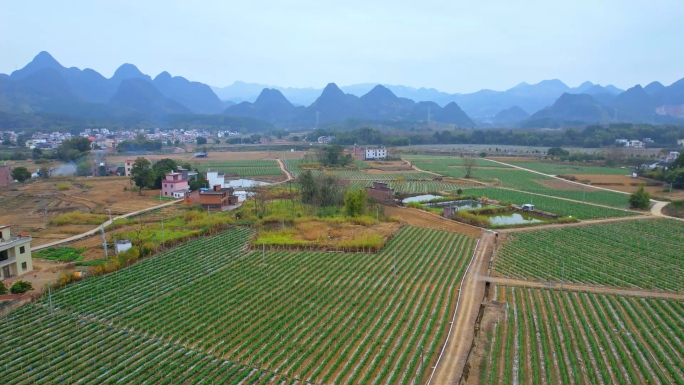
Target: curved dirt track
{"x":613,"y":290}
{"x":284,"y":170}
{"x":452,"y":360}
{"x":575,"y":224}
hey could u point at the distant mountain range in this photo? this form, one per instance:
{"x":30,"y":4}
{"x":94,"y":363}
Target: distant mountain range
{"x":44,"y":85}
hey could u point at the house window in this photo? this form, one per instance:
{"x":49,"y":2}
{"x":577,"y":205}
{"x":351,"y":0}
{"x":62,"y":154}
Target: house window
{"x":166,"y":193}
{"x":23,"y":266}
{"x":164,"y":184}
{"x":22,"y":250}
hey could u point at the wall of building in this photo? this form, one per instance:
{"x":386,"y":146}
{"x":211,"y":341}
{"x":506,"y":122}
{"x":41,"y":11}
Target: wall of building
{"x":5,"y":175}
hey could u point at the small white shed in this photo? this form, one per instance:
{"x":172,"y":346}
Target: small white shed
{"x":122,"y":245}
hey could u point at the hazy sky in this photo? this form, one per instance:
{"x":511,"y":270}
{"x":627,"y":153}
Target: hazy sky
{"x":454,"y":46}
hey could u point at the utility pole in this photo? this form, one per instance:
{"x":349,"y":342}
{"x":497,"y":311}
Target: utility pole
{"x":104,"y":242}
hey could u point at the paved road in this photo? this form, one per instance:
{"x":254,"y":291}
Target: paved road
{"x":582,"y":287}
{"x":452,"y":359}
{"x":95,"y":230}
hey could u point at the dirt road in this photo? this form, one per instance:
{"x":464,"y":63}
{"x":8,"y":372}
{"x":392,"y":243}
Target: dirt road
{"x":449,"y":367}
{"x":581,"y":287}
{"x":284,"y":170}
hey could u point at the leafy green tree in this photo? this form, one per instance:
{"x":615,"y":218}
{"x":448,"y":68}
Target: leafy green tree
{"x":196,"y":184}
{"x":21,"y":287}
{"x":141,"y":174}
{"x":217,"y":141}
{"x":161,"y":168}
{"x":678,"y":163}
{"x":21,"y":174}
{"x":3,"y":289}
{"x":333,"y":156}
{"x":640,"y":199}
{"x":36,"y":153}
{"x":255,"y":138}
{"x":72,"y":149}
{"x":355,"y":202}
{"x":295,"y":138}
{"x":557,"y":152}
{"x":84,"y":168}
{"x":308,"y":187}
{"x":201,"y":140}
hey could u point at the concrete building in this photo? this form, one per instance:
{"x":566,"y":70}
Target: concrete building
{"x":174,"y":185}
{"x":15,"y":253}
{"x":5,"y":175}
{"x":376,"y":153}
{"x":218,"y":197}
{"x":129,"y":166}
{"x":325,"y":139}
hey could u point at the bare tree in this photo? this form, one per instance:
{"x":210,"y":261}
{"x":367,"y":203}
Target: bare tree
{"x":468,"y":164}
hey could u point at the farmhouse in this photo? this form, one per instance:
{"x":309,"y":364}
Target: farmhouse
{"x":380,"y":191}
{"x":15,"y":253}
{"x":367,"y":153}
{"x":5,"y":175}
{"x":174,"y":185}
{"x":218,"y":197}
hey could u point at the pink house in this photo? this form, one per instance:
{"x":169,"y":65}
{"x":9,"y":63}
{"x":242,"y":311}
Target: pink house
{"x":174,"y":186}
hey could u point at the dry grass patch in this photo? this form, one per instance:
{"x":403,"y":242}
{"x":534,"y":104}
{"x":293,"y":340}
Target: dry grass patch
{"x":361,"y":233}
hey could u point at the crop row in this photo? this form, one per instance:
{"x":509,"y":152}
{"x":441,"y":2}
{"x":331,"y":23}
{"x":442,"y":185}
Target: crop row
{"x":315,"y":316}
{"x":443,"y":163}
{"x":552,"y":205}
{"x":642,"y":254}
{"x":555,"y":337}
{"x":570,"y":169}
{"x":292,"y":166}
{"x":530,"y":182}
{"x":415,"y":187}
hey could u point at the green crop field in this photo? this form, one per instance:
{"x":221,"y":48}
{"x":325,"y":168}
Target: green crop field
{"x":292,"y":166}
{"x":213,"y":311}
{"x":441,"y":162}
{"x":644,"y":254}
{"x":244,"y":168}
{"x":415,"y":187}
{"x":553,"y":337}
{"x":571,"y":169}
{"x":552,"y":205}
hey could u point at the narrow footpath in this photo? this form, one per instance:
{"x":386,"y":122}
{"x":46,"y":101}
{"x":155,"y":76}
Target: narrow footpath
{"x":105,"y":224}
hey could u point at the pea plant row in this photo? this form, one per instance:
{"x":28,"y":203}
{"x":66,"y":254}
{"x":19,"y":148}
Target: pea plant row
{"x":644,"y":254}
{"x":213,"y":310}
{"x":555,"y":337}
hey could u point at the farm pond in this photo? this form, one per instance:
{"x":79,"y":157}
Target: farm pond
{"x":514,"y":218}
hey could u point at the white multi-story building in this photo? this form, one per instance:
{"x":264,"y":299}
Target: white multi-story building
{"x":376,"y":153}
{"x":15,"y":254}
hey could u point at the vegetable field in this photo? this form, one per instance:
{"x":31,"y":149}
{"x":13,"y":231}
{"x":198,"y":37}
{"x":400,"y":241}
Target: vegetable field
{"x":645,"y":254}
{"x":571,"y":169}
{"x":415,"y":187}
{"x":554,"y":337}
{"x":548,"y":204}
{"x":443,"y":163}
{"x":292,"y":166}
{"x":213,"y":311}
{"x":244,"y":168}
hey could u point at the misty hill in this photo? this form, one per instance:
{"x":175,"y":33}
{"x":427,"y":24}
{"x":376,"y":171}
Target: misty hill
{"x":335,"y":106}
{"x":569,"y":109}
{"x":510,"y":117}
{"x":197,"y":97}
{"x":141,"y":95}
{"x":44,"y":85}
{"x":270,"y":106}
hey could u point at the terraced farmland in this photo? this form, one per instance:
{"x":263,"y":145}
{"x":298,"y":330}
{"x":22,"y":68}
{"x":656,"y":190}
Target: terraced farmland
{"x":554,"y":337}
{"x":212,"y":311}
{"x":548,"y":204}
{"x":643,"y":254}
